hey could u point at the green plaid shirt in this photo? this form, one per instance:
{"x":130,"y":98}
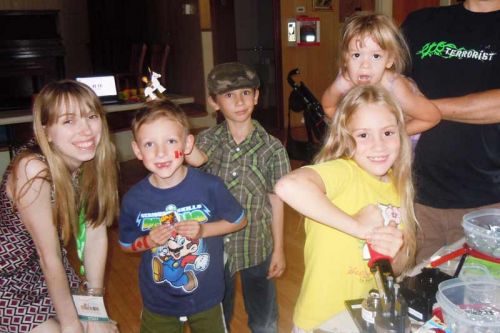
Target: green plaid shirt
{"x":250,"y":171}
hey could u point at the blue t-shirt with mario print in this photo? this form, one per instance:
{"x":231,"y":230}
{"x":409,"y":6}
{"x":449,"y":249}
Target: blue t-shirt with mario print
{"x":184,"y":276}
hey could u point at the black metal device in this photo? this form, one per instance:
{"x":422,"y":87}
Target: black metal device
{"x":392,"y":314}
{"x":389,"y":312}
{"x":420,"y":291}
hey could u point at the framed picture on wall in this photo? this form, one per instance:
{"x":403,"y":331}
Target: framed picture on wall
{"x":322,"y":4}
{"x":349,"y":7}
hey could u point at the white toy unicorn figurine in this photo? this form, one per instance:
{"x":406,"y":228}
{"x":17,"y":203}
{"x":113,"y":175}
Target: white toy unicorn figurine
{"x":153,"y":86}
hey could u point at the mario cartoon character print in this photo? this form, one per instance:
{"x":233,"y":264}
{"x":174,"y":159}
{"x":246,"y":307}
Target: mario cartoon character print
{"x":390,"y":214}
{"x":177,"y":261}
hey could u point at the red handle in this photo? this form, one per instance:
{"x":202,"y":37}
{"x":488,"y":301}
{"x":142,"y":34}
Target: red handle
{"x":375,"y":256}
{"x":448,"y":257}
{"x":480,"y":255}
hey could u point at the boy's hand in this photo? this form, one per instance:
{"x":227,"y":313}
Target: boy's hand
{"x":160,"y":234}
{"x":189,"y":228}
{"x":277,"y":265}
{"x":201,"y":263}
{"x":369,"y":217}
{"x":195,"y":157}
{"x":386,"y":240}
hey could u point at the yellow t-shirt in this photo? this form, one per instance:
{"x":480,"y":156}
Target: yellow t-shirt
{"x":335,"y":270}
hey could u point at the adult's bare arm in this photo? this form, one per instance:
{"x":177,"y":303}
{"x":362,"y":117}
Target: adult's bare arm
{"x":35,"y":210}
{"x":96,"y":249}
{"x":476,"y":108}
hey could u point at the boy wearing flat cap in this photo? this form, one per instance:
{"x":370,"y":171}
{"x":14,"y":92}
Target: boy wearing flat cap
{"x":250,"y":161}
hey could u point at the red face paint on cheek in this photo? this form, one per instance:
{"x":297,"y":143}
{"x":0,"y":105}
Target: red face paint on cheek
{"x":178,"y":154}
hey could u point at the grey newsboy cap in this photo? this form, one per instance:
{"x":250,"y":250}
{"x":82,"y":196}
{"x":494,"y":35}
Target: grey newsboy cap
{"x":231,"y":76}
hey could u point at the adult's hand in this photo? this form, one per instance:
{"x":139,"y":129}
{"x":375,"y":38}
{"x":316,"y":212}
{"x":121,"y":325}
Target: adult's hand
{"x":75,"y":327}
{"x":101,"y":327}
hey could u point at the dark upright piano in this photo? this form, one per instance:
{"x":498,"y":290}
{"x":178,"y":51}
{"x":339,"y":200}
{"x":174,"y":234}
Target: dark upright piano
{"x":31,"y":54}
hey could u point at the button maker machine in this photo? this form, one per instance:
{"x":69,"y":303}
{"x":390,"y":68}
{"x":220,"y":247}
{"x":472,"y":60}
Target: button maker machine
{"x":384,"y":310}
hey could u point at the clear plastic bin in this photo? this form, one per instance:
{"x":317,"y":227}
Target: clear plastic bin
{"x":482,"y":231}
{"x":471,"y":306}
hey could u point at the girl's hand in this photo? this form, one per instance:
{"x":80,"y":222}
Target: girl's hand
{"x":342,"y":83}
{"x":369,"y":217}
{"x":160,"y":234}
{"x":386,"y":240}
{"x":100,"y":327}
{"x":334,"y":93}
{"x":189,"y":228}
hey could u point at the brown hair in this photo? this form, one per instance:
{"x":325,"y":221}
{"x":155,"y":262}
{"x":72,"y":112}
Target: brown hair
{"x":384,"y":32}
{"x":339,"y":143}
{"x":98,"y":194}
{"x":157,"y":109}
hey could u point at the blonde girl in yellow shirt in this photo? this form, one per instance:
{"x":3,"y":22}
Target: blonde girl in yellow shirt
{"x":365,"y":162}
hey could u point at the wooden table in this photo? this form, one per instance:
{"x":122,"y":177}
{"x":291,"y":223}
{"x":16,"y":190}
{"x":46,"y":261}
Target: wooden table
{"x":21,"y":116}
{"x":10,"y":118}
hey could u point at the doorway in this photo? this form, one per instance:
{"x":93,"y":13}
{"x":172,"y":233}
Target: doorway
{"x":248,"y":31}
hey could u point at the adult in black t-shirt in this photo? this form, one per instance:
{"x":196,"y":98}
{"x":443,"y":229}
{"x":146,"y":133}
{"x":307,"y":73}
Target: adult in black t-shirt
{"x":456,"y":62}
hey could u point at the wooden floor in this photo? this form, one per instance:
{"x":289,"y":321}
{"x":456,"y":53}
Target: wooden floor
{"x":123,"y":301}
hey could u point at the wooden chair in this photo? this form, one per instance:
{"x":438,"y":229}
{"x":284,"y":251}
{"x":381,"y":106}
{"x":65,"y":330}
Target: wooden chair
{"x":158,"y":62}
{"x":132,"y":78}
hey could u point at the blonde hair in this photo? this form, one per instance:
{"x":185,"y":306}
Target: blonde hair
{"x":339,"y":143}
{"x":98,"y":193}
{"x":158,"y":109}
{"x":382,"y":30}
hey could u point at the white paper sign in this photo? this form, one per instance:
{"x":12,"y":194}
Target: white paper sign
{"x":90,"y":307}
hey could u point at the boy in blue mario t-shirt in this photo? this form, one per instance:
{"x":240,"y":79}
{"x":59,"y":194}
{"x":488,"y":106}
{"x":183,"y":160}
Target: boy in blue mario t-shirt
{"x":175,"y":217}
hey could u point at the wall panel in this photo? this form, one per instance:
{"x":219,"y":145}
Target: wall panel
{"x":317,"y":64}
